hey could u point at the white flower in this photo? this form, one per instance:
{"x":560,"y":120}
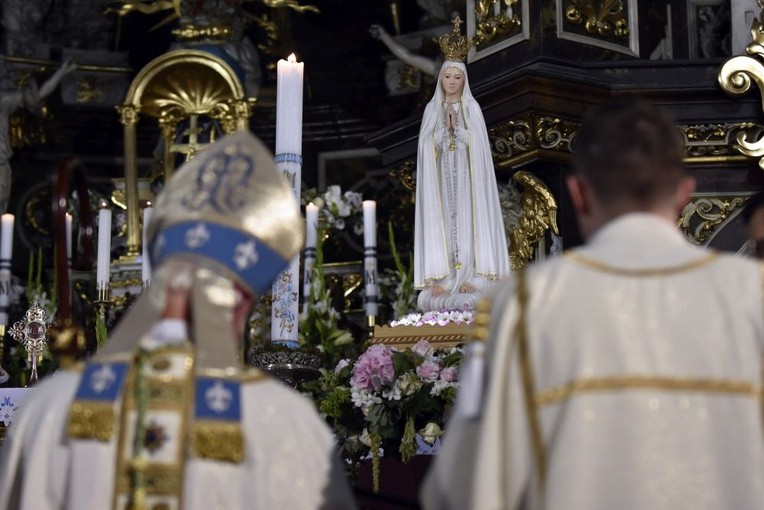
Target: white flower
{"x":430,"y":433}
{"x":364,"y":399}
{"x":440,"y":385}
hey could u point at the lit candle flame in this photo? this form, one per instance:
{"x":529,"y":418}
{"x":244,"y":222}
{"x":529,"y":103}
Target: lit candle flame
{"x":291,"y":58}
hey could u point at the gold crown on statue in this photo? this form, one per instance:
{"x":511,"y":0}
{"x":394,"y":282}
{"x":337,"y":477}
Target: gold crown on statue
{"x":454,"y":46}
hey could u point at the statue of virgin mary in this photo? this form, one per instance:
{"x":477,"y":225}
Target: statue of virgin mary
{"x":460,"y":245}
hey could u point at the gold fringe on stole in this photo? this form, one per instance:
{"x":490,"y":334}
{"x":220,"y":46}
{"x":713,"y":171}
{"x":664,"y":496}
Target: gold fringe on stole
{"x":92,"y":420}
{"x":217,"y":440}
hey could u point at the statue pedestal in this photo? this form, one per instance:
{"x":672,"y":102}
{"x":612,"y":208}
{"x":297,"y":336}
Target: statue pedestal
{"x":407,"y":336}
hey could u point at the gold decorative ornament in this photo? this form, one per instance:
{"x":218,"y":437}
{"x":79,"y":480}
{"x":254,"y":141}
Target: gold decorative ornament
{"x":88,"y":91}
{"x":407,"y":336}
{"x":639,"y":273}
{"x":406,"y":174}
{"x":717,"y":142}
{"x":455,"y":46}
{"x":519,"y":140}
{"x":494,"y":18}
{"x":735,"y":78}
{"x":538,"y":215}
{"x":705,"y":215}
{"x":603,"y":18}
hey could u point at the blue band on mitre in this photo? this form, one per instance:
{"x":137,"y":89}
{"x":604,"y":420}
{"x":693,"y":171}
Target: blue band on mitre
{"x":253,"y":261}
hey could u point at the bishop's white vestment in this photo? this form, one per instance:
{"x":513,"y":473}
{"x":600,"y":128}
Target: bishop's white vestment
{"x":289,"y":459}
{"x":626,"y":374}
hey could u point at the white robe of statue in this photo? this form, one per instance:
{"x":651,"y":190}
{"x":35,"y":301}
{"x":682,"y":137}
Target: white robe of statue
{"x":459,"y":240}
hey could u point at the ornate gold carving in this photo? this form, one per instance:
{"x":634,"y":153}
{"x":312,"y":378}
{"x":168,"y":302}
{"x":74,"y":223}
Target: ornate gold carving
{"x":24,"y":130}
{"x":561,"y":393}
{"x":128,"y":114}
{"x":88,"y":90}
{"x":529,"y":136}
{"x":406,"y":174}
{"x":735,"y":78}
{"x":494,"y":18}
{"x":521,"y":139}
{"x":704,"y":215}
{"x":538,"y":214}
{"x":716,"y":140}
{"x":194,"y":33}
{"x":601,"y":18}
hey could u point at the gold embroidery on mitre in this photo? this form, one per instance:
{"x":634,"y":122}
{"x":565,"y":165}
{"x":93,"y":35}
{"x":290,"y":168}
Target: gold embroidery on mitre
{"x":216,"y":440}
{"x":92,"y":420}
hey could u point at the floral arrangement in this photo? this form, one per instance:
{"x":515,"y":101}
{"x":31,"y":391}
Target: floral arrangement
{"x":337,"y":210}
{"x":389,"y":400}
{"x":435,"y":318}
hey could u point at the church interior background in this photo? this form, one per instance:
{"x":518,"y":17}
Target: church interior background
{"x":536,"y":67}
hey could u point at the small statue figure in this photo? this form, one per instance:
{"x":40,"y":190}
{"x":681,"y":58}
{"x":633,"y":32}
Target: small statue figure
{"x":11,"y":99}
{"x":460,"y":245}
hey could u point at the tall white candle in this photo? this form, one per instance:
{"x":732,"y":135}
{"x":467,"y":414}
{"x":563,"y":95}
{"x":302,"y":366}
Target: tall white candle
{"x":68,"y":233}
{"x":6,"y":236}
{"x":311,"y":225}
{"x":289,"y":78}
{"x":288,"y":158}
{"x":146,"y":265}
{"x":104,"y":246}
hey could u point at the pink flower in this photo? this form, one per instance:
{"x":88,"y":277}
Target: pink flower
{"x":449,"y":374}
{"x":374,"y":368}
{"x":428,"y":371}
{"x":340,"y":365}
{"x":423,"y":348}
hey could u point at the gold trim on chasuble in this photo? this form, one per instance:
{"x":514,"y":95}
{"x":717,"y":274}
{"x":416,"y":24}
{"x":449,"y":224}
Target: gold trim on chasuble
{"x":558,"y":394}
{"x":646,"y":272}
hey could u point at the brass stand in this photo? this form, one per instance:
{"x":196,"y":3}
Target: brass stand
{"x":102,"y":302}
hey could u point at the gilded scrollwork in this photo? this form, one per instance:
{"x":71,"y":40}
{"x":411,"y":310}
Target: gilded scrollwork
{"x":521,"y":138}
{"x":704,"y":215}
{"x":718,"y":140}
{"x":88,"y":91}
{"x":603,"y":18}
{"x":494,"y":18}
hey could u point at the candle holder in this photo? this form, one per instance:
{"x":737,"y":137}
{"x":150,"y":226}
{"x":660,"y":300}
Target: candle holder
{"x":102,"y":301}
{"x":32,"y":333}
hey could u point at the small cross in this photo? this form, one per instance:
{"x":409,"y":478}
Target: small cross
{"x":457,"y":21}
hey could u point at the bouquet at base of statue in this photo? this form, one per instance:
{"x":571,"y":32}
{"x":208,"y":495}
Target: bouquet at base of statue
{"x":388,"y":401}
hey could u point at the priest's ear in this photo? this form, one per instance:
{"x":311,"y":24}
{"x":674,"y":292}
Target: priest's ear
{"x":684,"y":193}
{"x":580,"y":194}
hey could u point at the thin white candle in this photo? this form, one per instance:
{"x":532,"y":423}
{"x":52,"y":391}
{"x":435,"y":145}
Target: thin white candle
{"x":104,"y":246}
{"x":68,"y":231}
{"x":6,"y":236}
{"x":146,"y":263}
{"x":369,"y":224}
{"x":370,"y":256}
{"x":311,"y":225}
